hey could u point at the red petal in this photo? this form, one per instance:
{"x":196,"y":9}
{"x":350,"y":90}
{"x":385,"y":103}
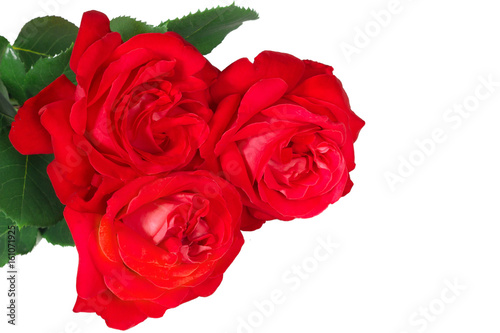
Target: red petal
{"x":271,"y":64}
{"x":222,"y":264}
{"x":118,"y":314}
{"x":93,"y":27}
{"x":93,"y":57}
{"x":329,"y":89}
{"x":235,"y":79}
{"x":169,"y":45}
{"x":27,"y":134}
{"x":172,"y":298}
{"x":249,"y":222}
{"x":302,"y":208}
{"x":208,"y":287}
{"x":225,"y":112}
{"x":260,"y":96}
{"x":151,"y":309}
{"x":89,"y":281}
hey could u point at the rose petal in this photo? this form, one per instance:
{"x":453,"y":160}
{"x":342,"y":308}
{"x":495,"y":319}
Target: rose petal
{"x":89,"y":281}
{"x":27,"y":134}
{"x":93,"y":27}
{"x":118,"y":314}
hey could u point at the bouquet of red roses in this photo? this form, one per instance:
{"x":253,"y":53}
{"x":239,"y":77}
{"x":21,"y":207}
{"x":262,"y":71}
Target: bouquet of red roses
{"x":159,"y":159}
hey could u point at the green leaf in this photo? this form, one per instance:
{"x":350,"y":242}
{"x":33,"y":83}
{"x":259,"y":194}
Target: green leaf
{"x":3,"y":90}
{"x":205,"y":30}
{"x":3,"y":46}
{"x":5,"y":224}
{"x":44,"y":37}
{"x":59,"y":234}
{"x":26,"y":240}
{"x":129,"y":27}
{"x":47,"y":70}
{"x":22,"y":240}
{"x":12,"y":73}
{"x":5,"y":120}
{"x":26,"y":194}
{"x":7,"y":111}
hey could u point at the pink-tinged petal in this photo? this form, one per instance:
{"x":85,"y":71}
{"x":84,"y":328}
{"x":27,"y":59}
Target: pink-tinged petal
{"x":89,"y":282}
{"x":94,"y":26}
{"x":27,"y":134}
{"x":257,"y":151}
{"x":150,"y":189}
{"x":148,"y":222}
{"x":138,"y":249}
{"x":291,"y":192}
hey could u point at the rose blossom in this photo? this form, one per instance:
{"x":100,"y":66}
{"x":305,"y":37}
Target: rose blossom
{"x":163,"y":241}
{"x":141,"y":107}
{"x":283,"y":134}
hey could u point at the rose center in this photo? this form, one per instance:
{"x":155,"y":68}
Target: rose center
{"x":177,"y":224}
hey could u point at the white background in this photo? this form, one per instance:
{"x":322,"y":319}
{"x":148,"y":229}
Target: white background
{"x":399,"y":245}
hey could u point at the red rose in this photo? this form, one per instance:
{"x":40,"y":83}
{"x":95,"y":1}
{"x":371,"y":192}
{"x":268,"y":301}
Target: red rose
{"x":283,"y":134}
{"x":141,"y":107}
{"x":162,"y":242}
